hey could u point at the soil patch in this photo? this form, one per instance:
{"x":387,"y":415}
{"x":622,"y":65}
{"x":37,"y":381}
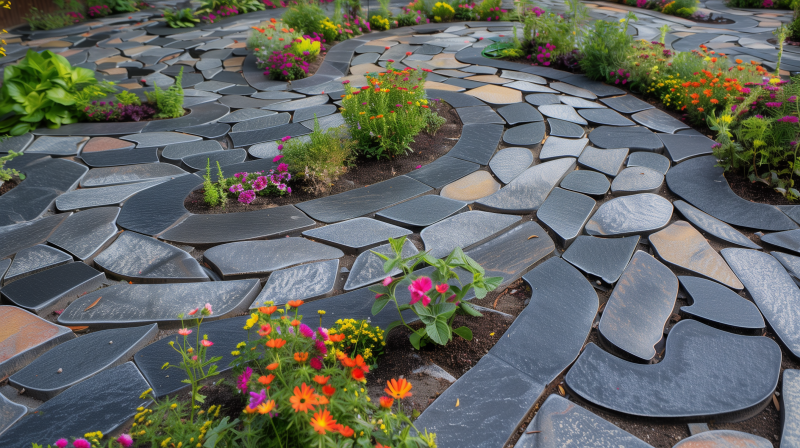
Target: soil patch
{"x":8,"y":186}
{"x":711,"y":18}
{"x":426,"y":148}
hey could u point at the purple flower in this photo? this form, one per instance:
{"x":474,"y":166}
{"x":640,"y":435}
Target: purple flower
{"x":788,"y":119}
{"x":246,"y":197}
{"x":241,"y":383}
{"x":260,"y":183}
{"x":236,"y":188}
{"x":286,"y":139}
{"x":306,"y":331}
{"x":257,"y":398}
{"x":774,"y":104}
{"x":283,"y":167}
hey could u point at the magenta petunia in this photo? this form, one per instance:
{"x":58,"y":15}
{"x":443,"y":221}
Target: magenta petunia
{"x":277,"y":158}
{"x":246,"y":197}
{"x":61,"y":443}
{"x":125,"y":440}
{"x":418,"y":288}
{"x":81,"y":443}
{"x":316,"y":363}
{"x":788,"y":119}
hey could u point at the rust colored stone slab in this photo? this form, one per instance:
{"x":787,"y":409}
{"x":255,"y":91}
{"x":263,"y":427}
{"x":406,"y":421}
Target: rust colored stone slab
{"x":682,"y":245}
{"x":472,"y":187}
{"x":496,"y":94}
{"x":430,"y":85}
{"x":105,"y":143}
{"x":25,"y":336}
{"x":724,"y":439}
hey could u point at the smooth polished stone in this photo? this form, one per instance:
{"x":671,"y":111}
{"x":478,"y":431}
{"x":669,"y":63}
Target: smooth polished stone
{"x":561,"y":128}
{"x":67,"y":364}
{"x":520,"y":113}
{"x":565,"y":213}
{"x":49,"y":290}
{"x":21,"y":236}
{"x":175,"y":152}
{"x":682,"y":147}
{"x":304,"y":282}
{"x":630,"y":215}
{"x":268,"y":121}
{"x":479,"y":114}
{"x":213,"y":86}
{"x":16,"y":144}
{"x":650,"y":160}
{"x":626,"y":104}
{"x":556,"y":147}
{"x":477,"y":143}
{"x":682,"y":245}
{"x":634,"y":318}
{"x":659,"y":121}
{"x":325,"y":123}
{"x":443,"y":171}
{"x":159,"y":139}
{"x":596,"y":87}
{"x":635,"y":138}
{"x":606,"y":117}
{"x":773,"y":290}
{"x":455,"y":99}
{"x":289,"y":106}
{"x":718,"y":306}
{"x":212,"y":130}
{"x":573,"y":90}
{"x":560,"y":423}
{"x":541,"y":99}
{"x":497,"y":95}
{"x":687,"y":383}
{"x":245,"y":115}
{"x":85,"y":198}
{"x":580,"y":103}
{"x":132,"y":305}
{"x":133,"y":256}
{"x":368,"y":267}
{"x":362,"y":201}
{"x":702,"y":184}
{"x":790,"y":401}
{"x":25,"y":337}
{"x":724,"y":439}
{"x":587,"y":182}
{"x":57,"y":146}
{"x":522,"y":76}
{"x":257,"y":258}
{"x":199,"y":162}
{"x":121,"y":158}
{"x":525,"y":135}
{"x":308,"y":113}
{"x":84,"y":234}
{"x":606,"y":161}
{"x":10,"y":413}
{"x":154,"y":210}
{"x":32,"y":260}
{"x":562,"y":112}
{"x":464,"y":230}
{"x":791,"y":263}
{"x":789,"y":240}
{"x":422,"y":211}
{"x":273,"y":133}
{"x":277,"y":95}
{"x":103,"y":177}
{"x":527,"y":192}
{"x":509,"y":163}
{"x":114,"y":394}
{"x":356,"y":235}
{"x":604,"y":258}
{"x":636,"y":180}
{"x":713,"y":226}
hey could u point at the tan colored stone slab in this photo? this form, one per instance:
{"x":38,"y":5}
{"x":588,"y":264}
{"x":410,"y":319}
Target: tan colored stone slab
{"x":41,"y":42}
{"x":440,"y":86}
{"x":135,"y":51}
{"x":97,"y":144}
{"x":130,"y":85}
{"x":237,"y":44}
{"x":682,"y":245}
{"x":362,"y":69}
{"x":356,"y":80}
{"x":496,"y":94}
{"x":57,"y":44}
{"x":472,"y":187}
{"x":143,"y":39}
{"x":233,"y":62}
{"x":114,"y":59}
{"x":489,"y":79}
{"x":115,"y":71}
{"x":769,"y":24}
{"x":444,"y":56}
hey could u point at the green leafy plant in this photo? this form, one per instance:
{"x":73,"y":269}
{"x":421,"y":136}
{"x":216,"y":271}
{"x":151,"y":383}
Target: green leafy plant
{"x":40,"y":20}
{"x":605,"y":49}
{"x":384,"y":8}
{"x":169,"y":102}
{"x":183,"y":18}
{"x":781,"y":33}
{"x":436,"y":300}
{"x":321,"y":158}
{"x":442,"y":12}
{"x":379,"y":23}
{"x":127,"y":98}
{"x":305,"y":17}
{"x":116,"y":6}
{"x":7,"y":174}
{"x":214,"y":193}
{"x":269,"y":37}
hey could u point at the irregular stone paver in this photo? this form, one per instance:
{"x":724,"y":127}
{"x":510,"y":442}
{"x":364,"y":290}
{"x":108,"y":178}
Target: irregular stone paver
{"x":368,"y":267}
{"x":686,"y":383}
{"x":562,"y":423}
{"x":103,"y":177}
{"x":133,"y":256}
{"x":477,"y":143}
{"x":587,"y":182}
{"x":304,"y":282}
{"x":773,"y":290}
{"x":464,"y":230}
{"x":565,"y":213}
{"x":580,"y":103}
{"x":121,"y":158}
{"x":659,"y":121}
{"x":98,"y":197}
{"x":10,"y":413}
{"x":789,"y":240}
{"x":561,"y":128}
{"x":422,"y":211}
{"x":541,"y":99}
{"x":626,"y":104}
{"x":634,"y":138}
{"x":562,"y":112}
{"x":16,"y":144}
{"x":105,"y":144}
{"x":20,"y":236}
{"x":525,"y":134}
{"x":132,"y":305}
{"x":479,"y":114}
{"x":84,"y":234}
{"x":630,"y":215}
{"x":471,"y":187}
{"x":605,"y":258}
{"x":637,"y":180}
{"x":718,"y":306}
{"x":496,"y":94}
{"x":199,"y":162}
{"x":154,"y":210}
{"x":356,"y":235}
{"x":527,"y":192}
{"x":57,"y":146}
{"x":24,"y":337}
{"x":606,"y":117}
{"x":509,"y":163}
{"x":519,"y":113}
{"x":681,"y":147}
{"x":723,"y":439}
{"x":790,"y":262}
{"x":32,"y":260}
{"x":257,"y":258}
{"x":159,"y":139}
{"x":790,"y":435}
{"x":714,"y":226}
{"x":522,"y":76}
{"x":556,"y":147}
{"x":50,"y":290}
{"x":606,"y":161}
{"x":67,"y":364}
{"x":573,"y":90}
{"x":650,"y":160}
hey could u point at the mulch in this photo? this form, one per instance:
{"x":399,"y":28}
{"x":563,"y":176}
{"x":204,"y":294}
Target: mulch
{"x":8,"y":186}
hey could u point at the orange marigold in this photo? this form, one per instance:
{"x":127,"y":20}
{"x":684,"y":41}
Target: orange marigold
{"x":266,"y":379}
{"x":276,"y":343}
{"x":398,"y":389}
{"x":387,"y":402}
{"x":322,"y":422}
{"x":303,"y":399}
{"x":301,"y":357}
{"x":295,"y":303}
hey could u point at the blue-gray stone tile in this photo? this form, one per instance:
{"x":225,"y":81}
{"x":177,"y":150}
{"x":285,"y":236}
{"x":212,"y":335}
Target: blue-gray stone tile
{"x":561,"y":128}
{"x":50,"y":290}
{"x":626,"y":104}
{"x":16,"y":144}
{"x":85,"y":198}
{"x":257,"y":258}
{"x":267,"y":121}
{"x":562,"y":112}
{"x":658,"y":120}
{"x":525,"y":135}
{"x":604,"y":258}
{"x":120,"y":157}
{"x":587,"y":182}
{"x":522,"y":76}
{"x":443,"y":171}
{"x":154,"y":210}
{"x":604,"y":116}
{"x":422,"y":211}
{"x":630,"y":215}
{"x":356,"y":235}
{"x":368,"y":267}
{"x":788,"y":240}
{"x":57,"y":146}
{"x":133,"y":256}
{"x":520,"y":113}
{"x":541,"y":99}
{"x":103,"y":177}
{"x":606,"y":161}
{"x":682,"y":147}
{"x":573,"y":90}
{"x":527,"y":192}
{"x":199,"y":162}
{"x":84,"y":234}
{"x":159,"y":139}
{"x":10,"y":413}
{"x":634,"y":138}
{"x":650,"y":160}
{"x":245,"y":115}
{"x":308,"y":113}
{"x":565,"y":213}
{"x":713,"y":226}
{"x":509,"y":163}
{"x":557,"y":147}
{"x":455,"y":99}
{"x":464,"y":230}
{"x":175,"y":152}
{"x":32,"y":260}
{"x":304,"y":282}
{"x":290,"y":106}
{"x":245,"y":138}
{"x":21,"y":236}
{"x":579,"y":103}
{"x":477,"y":143}
{"x":525,"y":86}
{"x":212,"y":130}
{"x":790,"y":401}
{"x":634,"y":180}
{"x":718,"y":306}
{"x":478,"y":115}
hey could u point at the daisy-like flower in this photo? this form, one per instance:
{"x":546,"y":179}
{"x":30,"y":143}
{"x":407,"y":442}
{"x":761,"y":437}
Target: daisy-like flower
{"x":398,"y":389}
{"x":323,"y":422}
{"x":206,"y":343}
{"x":125,"y":440}
{"x":301,"y":357}
{"x":265,"y":380}
{"x":267,"y":309}
{"x":387,"y":402}
{"x":276,"y":343}
{"x":306,"y":331}
{"x":184,"y":332}
{"x":266,"y":407}
{"x":321,"y":380}
{"x":345,"y":431}
{"x":303,"y":399}
{"x":295,"y":303}
{"x":273,"y":366}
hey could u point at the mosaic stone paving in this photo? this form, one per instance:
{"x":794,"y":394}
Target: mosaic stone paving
{"x":106,"y":191}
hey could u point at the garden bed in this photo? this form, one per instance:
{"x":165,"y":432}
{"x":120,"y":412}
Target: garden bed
{"x":7,"y":186}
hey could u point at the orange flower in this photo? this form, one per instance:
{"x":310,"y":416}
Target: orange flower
{"x":266,"y":379}
{"x":714,"y":101}
{"x":273,"y":366}
{"x":273,"y":20}
{"x":276,"y":343}
{"x":345,"y":431}
{"x":295,"y":303}
{"x":321,"y":380}
{"x":357,"y":374}
{"x":387,"y":402}
{"x":347,"y":362}
{"x":382,"y":446}
{"x":267,"y":309}
{"x":301,"y":357}
{"x":700,"y":109}
{"x":336,"y":337}
{"x":249,"y":410}
{"x":713,"y":59}
{"x":398,"y":389}
{"x":323,"y":422}
{"x":303,"y":399}
{"x":328,"y":390}
{"x":265,"y":407}
{"x":295,"y":322}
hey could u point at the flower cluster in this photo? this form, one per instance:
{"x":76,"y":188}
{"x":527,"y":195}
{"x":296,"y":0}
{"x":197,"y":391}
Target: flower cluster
{"x":111,"y":111}
{"x":286,"y":66}
{"x":98,"y":11}
{"x":360,"y":338}
{"x":92,"y":439}
{"x":245,"y":186}
{"x":223,"y":12}
{"x":620,"y":76}
{"x":543,"y":55}
{"x":268,"y":37}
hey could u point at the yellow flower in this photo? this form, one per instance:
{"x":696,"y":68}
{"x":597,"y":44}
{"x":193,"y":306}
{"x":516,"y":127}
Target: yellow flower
{"x":725,"y":119}
{"x":144,"y":394}
{"x":235,"y":353}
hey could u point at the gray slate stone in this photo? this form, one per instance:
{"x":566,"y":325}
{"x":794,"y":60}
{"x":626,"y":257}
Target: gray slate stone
{"x":650,"y":160}
{"x":21,"y":236}
{"x":606,"y":161}
{"x":356,"y":235}
{"x":98,"y":197}
{"x":724,"y":439}
{"x":527,"y":192}
{"x":133,"y":305}
{"x":16,"y":144}
{"x":248,"y":114}
{"x":630,"y":215}
{"x":718,"y":306}
{"x":84,"y":234}
{"x":304,"y":282}
{"x":561,"y":128}
{"x":791,"y":263}
{"x":57,"y":146}
{"x":519,"y":113}
{"x":789,"y":240}
{"x":175,"y":152}
{"x":464,"y":230}
{"x":479,"y":114}
{"x":199,"y":162}
{"x":133,"y":256}
{"x":443,"y":171}
{"x":120,"y":175}
{"x":541,"y":99}
{"x":10,"y":413}
{"x":562,"y":112}
{"x":67,"y":364}
{"x":790,"y":405}
{"x":565,"y":213}
{"x":634,"y":138}
{"x":636,"y":180}
{"x":422,"y":211}
{"x":587,"y":182}
{"x":154,"y":210}
{"x":268,"y":121}
{"x":50,"y":290}
{"x":573,"y":90}
{"x":477,"y":143}
{"x":604,"y":116}
{"x":687,"y":383}
{"x":368,"y":267}
{"x":26,"y":337}
{"x":525,"y":135}
{"x":580,"y":103}
{"x":522,"y":76}
{"x":509,"y":163}
{"x":289,"y":106}
{"x":308,"y":113}
{"x":257,"y":258}
{"x":713,"y":226}
{"x":626,"y":104}
{"x":32,"y":260}
{"x":159,"y":139}
{"x":681,"y":147}
{"x":659,"y":121}
{"x":604,"y":258}
{"x":557,"y":147}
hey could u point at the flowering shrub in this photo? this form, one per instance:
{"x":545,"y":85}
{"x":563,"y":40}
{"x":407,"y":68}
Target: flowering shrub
{"x":98,"y":11}
{"x":543,"y":55}
{"x":92,"y":440}
{"x":442,"y":12}
{"x":360,"y":339}
{"x":246,"y":186}
{"x":436,"y":305}
{"x":307,"y":47}
{"x":304,"y":390}
{"x":286,"y":66}
{"x":110,"y":111}
{"x":223,"y":12}
{"x":378,"y":23}
{"x":268,"y":37}
{"x":350,"y":27}
{"x":320,"y":159}
{"x":464,"y":11}
{"x":386,"y":115}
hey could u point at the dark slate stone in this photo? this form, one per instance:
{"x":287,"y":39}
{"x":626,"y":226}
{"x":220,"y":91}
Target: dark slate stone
{"x":223,"y":158}
{"x":245,"y":115}
{"x":455,"y":99}
{"x":16,"y":144}
{"x":269,"y":121}
{"x":477,"y":143}
{"x":465,"y":83}
{"x":773,"y":290}
{"x":596,"y":87}
{"x":509,"y":163}
{"x":443,"y":171}
{"x":159,"y":139}
{"x":120,"y":157}
{"x":686,"y":385}
{"x":464,"y":230}
{"x":190,"y":80}
{"x":723,"y":439}
{"x":790,"y":262}
{"x":556,"y":147}
{"x":713,"y":226}
{"x":325,"y":123}
{"x":630,"y":215}
{"x":45,"y":180}
{"x":789,"y":240}
{"x":563,"y":424}
{"x":368,"y":267}
{"x":561,"y":128}
{"x":85,"y":198}
{"x":634,"y":138}
{"x":49,"y":290}
{"x":525,"y":135}
{"x":527,"y":192}
{"x":479,"y":114}
{"x":101,"y":177}
{"x":257,"y":258}
{"x":636,"y":180}
{"x":634,"y":318}
{"x":650,"y":160}
{"x":269,"y":134}
{"x":604,"y":117}
{"x":703,"y":185}
{"x":84,"y":234}
{"x":32,"y":260}
{"x":604,"y":258}
{"x":174,"y":153}
{"x":362,"y":201}
{"x":215,"y":86}
{"x":10,"y":413}
{"x":367,"y":58}
{"x":272,"y":95}
{"x":114,"y":394}
{"x":682,"y":147}
{"x":242,"y":102}
{"x":215,"y":229}
{"x":627,"y":104}
{"x":606,"y":161}
{"x":422,"y":211}
{"x":658,"y":120}
{"x":562,"y":112}
{"x":356,"y":235}
{"x":525,"y":86}
{"x":25,"y":337}
{"x":133,"y":256}
{"x":237,"y":90}
{"x":541,"y":99}
{"x":132,"y":305}
{"x":718,"y":306}
{"x":205,"y":113}
{"x":20,"y":236}
{"x":67,"y":364}
{"x":57,"y":146}
{"x":519,"y":113}
{"x":580,"y":103}
{"x":587,"y":182}
{"x":304,"y":282}
{"x":94,"y":129}
{"x":212,"y":130}
{"x":789,"y":398}
{"x":573,"y":90}
{"x":308,"y":113}
{"x":154,"y":210}
{"x":294,"y":105}
{"x":565,"y":213}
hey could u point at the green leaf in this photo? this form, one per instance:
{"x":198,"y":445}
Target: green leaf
{"x":397,"y":245}
{"x":415,"y":338}
{"x":480,"y":292}
{"x":469,"y":310}
{"x":60,"y":96}
{"x":464,"y":332}
{"x":492,"y":283}
{"x":439,"y":331}
{"x":379,"y":304}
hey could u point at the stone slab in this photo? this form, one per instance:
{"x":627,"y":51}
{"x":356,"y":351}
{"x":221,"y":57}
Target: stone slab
{"x":464,"y":230}
{"x":527,"y":87}
{"x":57,"y":146}
{"x":304,"y":282}
{"x":630,"y":215}
{"x":356,"y":235}
{"x":718,"y":306}
{"x":541,"y":99}
{"x":587,"y":182}
{"x":650,"y":160}
{"x":579,"y":103}
{"x":135,"y":257}
{"x":246,"y":138}
{"x":528,"y":191}
{"x":497,"y":95}
{"x":257,"y":258}
{"x":16,"y":144}
{"x":422,"y":211}
{"x":471,"y":187}
{"x":368,"y":267}
{"x":605,"y":258}
{"x":659,"y":121}
{"x":49,"y":290}
{"x":723,"y":439}
{"x":96,"y":144}
{"x":159,"y":139}
{"x":789,"y":240}
{"x":681,"y":147}
{"x":790,"y":434}
{"x":175,"y":152}
{"x":199,"y":162}
{"x":557,"y":147}
{"x":24,"y":337}
{"x":626,"y":104}
{"x":477,"y":143}
{"x":21,"y":236}
{"x":561,"y":128}
{"x":121,"y":157}
{"x":85,"y":198}
{"x":10,"y":413}
{"x":634,"y":138}
{"x":565,"y":213}
{"x":606,"y":161}
{"x":290,"y":106}
{"x":509,"y":163}
{"x":790,"y":262}
{"x":604,"y":116}
{"x":573,"y":90}
{"x":562,"y":112}
{"x":455,"y":99}
{"x":479,"y":114}
{"x":520,"y":113}
{"x":154,"y":210}
{"x":634,"y":180}
{"x":268,"y":121}
{"x":84,"y":234}
{"x":525,"y":135}
{"x":103,"y":177}
{"x":212,"y":130}
{"x":443,"y":171}
{"x":31,"y":260}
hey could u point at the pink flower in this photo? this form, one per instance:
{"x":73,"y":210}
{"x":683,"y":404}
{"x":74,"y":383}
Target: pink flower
{"x":387,"y":281}
{"x":283,"y":167}
{"x":194,"y":311}
{"x":206,"y":343}
{"x":81,"y":443}
{"x":125,"y":440}
{"x":246,"y":197}
{"x":241,"y":383}
{"x":184,"y":332}
{"x":306,"y":331}
{"x":286,"y":139}
{"x":418,"y":167}
{"x":788,"y":119}
{"x":61,"y":443}
{"x":315,"y":363}
{"x":277,"y":158}
{"x":418,"y":288}
{"x":208,"y":307}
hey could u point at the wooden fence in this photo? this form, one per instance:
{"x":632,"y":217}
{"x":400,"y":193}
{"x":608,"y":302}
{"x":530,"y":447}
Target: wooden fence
{"x":10,"y":18}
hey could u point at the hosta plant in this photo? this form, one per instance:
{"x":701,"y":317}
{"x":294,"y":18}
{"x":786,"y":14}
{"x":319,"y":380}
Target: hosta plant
{"x":183,"y":18}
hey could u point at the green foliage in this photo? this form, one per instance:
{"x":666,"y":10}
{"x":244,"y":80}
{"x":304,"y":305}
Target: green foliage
{"x":794,"y":29}
{"x":385,"y":12}
{"x":512,"y":53}
{"x":40,"y":20}
{"x":305,"y":17}
{"x":322,"y":159}
{"x":7,"y":174}
{"x":127,"y":98}
{"x":266,"y":38}
{"x":442,"y":12}
{"x":169,"y":102}
{"x":41,"y":90}
{"x":116,"y":6}
{"x":183,"y":18}
{"x":781,"y":33}
{"x":604,"y":49}
{"x":243,"y":6}
{"x":214,"y":192}
{"x":680,"y":8}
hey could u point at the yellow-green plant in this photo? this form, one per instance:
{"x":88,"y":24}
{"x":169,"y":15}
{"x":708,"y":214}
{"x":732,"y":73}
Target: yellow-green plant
{"x":379,"y":23}
{"x":360,"y":338}
{"x":306,"y":48}
{"x":322,"y":158}
{"x":442,"y":12}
